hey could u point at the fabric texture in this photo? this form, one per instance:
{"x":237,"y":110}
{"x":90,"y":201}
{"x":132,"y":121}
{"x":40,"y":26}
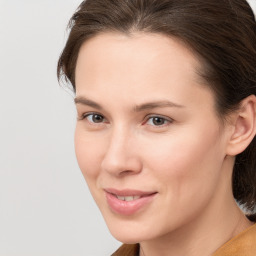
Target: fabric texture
{"x":128,"y":250}
{"x":243,"y":244}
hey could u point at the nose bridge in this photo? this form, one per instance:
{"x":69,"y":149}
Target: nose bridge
{"x":120,"y":155}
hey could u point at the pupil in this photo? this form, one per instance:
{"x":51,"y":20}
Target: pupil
{"x":158,"y":121}
{"x":97,"y":118}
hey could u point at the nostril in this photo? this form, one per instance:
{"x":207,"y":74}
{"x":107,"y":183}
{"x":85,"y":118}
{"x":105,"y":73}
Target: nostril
{"x":126,"y":172}
{"x":120,"y":160}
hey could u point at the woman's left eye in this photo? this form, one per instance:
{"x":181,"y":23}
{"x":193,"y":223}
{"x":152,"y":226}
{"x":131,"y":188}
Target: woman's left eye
{"x":158,"y":121}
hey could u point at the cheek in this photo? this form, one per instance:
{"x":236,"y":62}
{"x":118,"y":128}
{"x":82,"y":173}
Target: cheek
{"x":185,"y":162}
{"x":88,"y":153}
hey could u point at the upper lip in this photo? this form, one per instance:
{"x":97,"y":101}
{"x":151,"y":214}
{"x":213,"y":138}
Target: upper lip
{"x":129,"y":192}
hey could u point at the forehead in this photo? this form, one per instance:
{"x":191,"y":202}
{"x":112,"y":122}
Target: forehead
{"x":138,"y":51}
{"x":136,"y":68}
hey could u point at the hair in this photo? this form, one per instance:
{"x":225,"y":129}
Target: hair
{"x":222,"y":33}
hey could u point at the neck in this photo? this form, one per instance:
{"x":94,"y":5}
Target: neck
{"x":217,"y":223}
{"x":198,"y":238}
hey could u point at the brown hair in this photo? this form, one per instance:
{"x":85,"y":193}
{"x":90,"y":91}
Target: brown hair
{"x":221,"y":32}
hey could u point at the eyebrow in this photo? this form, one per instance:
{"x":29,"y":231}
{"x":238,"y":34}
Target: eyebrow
{"x":138,"y":108}
{"x":87,"y":102}
{"x":157,"y":104}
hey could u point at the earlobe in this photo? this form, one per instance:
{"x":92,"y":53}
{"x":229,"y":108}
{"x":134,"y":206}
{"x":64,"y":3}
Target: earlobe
{"x":244,"y":127}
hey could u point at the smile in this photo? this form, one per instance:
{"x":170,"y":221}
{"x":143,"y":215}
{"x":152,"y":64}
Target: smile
{"x":128,"y":202}
{"x":128,"y":198}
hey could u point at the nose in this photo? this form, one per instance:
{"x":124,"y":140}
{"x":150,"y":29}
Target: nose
{"x":122,"y":156}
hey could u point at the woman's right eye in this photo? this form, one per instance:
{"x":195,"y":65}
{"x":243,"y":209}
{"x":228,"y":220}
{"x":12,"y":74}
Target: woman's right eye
{"x":94,"y":118}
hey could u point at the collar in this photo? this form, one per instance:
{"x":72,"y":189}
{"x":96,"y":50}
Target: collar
{"x":244,"y":244}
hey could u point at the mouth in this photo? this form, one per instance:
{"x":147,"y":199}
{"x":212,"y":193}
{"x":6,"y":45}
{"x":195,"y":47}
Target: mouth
{"x":128,"y":202}
{"x":128,"y":198}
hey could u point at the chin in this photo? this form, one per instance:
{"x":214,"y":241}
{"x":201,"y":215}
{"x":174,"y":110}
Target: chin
{"x":130,"y":230}
{"x":127,"y":237}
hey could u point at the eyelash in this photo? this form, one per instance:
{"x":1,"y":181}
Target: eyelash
{"x":167,"y":121}
{"x":86,"y":115}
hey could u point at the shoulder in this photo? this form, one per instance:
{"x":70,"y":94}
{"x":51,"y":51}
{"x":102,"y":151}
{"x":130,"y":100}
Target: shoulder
{"x":127,"y":250}
{"x":242,"y":245}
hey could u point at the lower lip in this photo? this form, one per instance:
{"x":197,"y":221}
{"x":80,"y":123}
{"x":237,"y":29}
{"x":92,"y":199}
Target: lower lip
{"x":127,"y":207}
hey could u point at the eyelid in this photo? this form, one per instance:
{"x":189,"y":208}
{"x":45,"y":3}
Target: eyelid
{"x":146,"y":120}
{"x":85,"y":115}
{"x":168,"y":119}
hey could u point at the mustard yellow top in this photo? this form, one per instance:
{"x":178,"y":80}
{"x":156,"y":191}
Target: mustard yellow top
{"x":243,"y":244}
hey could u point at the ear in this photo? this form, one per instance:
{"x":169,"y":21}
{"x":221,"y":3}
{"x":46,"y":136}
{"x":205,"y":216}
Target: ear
{"x":243,"y":126}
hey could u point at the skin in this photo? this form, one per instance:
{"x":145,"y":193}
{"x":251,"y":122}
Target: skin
{"x":187,"y":158}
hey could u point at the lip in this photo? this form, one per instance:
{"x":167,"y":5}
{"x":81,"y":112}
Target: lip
{"x":127,"y":208}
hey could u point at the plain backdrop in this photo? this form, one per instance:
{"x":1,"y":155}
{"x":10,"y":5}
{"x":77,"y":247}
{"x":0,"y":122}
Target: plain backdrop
{"x":45,"y":206}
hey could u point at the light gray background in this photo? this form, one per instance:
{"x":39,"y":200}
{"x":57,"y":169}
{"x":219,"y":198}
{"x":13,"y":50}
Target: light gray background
{"x":45,"y":206}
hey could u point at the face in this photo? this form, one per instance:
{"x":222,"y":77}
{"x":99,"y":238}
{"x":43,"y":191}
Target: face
{"x":148,"y":140}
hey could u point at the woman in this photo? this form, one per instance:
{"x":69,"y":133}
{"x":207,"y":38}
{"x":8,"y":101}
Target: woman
{"x":165,"y":137}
